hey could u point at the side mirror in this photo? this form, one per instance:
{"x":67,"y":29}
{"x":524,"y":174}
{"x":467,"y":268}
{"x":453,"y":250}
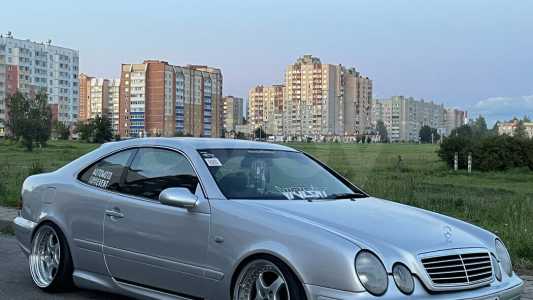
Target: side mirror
{"x":178,"y":197}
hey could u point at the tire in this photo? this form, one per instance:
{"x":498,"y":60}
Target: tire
{"x":267,"y":278}
{"x":50,"y":261}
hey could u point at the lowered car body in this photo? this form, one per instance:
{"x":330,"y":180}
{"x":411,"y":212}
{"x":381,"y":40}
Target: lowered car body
{"x":160,"y":218}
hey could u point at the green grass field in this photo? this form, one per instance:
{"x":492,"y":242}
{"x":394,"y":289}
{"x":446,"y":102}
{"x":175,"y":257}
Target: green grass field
{"x":500,"y":201}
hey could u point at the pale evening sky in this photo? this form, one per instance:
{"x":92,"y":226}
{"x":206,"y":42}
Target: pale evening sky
{"x":475,"y":54}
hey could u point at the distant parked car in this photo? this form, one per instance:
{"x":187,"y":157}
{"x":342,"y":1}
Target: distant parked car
{"x":230,"y":219}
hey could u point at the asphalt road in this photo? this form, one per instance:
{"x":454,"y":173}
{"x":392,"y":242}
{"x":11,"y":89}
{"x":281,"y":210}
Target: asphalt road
{"x":16,"y":283}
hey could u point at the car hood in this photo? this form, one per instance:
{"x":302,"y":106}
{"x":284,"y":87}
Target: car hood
{"x":390,"y":229}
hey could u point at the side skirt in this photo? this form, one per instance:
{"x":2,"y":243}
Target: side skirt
{"x":104,"y":283}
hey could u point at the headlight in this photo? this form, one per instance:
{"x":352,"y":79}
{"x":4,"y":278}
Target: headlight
{"x":371,"y":273}
{"x":503,"y":256}
{"x":497,"y":269}
{"x":403,"y":278}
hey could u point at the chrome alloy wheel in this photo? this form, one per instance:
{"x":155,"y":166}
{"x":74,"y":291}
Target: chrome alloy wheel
{"x":261,"y":280}
{"x":45,"y":256}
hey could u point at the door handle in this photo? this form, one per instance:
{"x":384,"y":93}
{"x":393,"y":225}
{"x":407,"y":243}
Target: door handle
{"x":114,"y":213}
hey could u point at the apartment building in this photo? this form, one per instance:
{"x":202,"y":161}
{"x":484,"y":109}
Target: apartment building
{"x":199,"y":96}
{"x":325,"y":100}
{"x":28,"y":67}
{"x":99,"y":97}
{"x":357,"y":101}
{"x":113,"y":99}
{"x":233,"y":112}
{"x":265,"y":109}
{"x":454,"y":118}
{"x":159,"y":99}
{"x":404,"y":117}
{"x":313,"y":102}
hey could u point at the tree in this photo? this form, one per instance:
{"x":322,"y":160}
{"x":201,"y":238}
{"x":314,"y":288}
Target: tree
{"x":102,"y":129}
{"x":85,"y":129}
{"x":61,"y":131}
{"x":479,"y":127}
{"x":428,"y":135}
{"x":463,"y":131}
{"x":17,"y":108}
{"x":30,"y":119}
{"x":259,"y":133}
{"x":97,"y":130}
{"x":382,"y":131}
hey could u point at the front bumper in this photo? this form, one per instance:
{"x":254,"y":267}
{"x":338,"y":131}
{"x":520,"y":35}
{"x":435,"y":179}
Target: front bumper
{"x":510,"y":288}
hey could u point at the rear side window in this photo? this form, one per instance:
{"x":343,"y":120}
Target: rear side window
{"x":153,"y":170}
{"x":106,"y":173}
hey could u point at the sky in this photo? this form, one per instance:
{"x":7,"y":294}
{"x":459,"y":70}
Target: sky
{"x":476,"y":55}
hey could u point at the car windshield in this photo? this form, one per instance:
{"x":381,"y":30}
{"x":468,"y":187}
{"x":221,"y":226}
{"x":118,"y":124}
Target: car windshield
{"x":273,"y":175}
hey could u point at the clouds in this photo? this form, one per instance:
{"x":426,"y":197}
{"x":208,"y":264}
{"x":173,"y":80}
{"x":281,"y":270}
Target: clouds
{"x":502,"y":108}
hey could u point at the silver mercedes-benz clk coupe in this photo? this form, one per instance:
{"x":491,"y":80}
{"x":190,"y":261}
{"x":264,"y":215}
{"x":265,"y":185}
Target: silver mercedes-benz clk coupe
{"x":191,"y":218}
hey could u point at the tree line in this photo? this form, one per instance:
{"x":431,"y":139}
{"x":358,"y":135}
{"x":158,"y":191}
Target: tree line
{"x":489,"y":150}
{"x":29,"y":121}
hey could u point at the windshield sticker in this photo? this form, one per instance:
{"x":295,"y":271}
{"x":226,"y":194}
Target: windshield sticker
{"x":100,"y":178}
{"x":303,"y":193}
{"x":213,"y":162}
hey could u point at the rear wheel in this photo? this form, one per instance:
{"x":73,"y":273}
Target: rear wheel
{"x":50,"y":261}
{"x":267,"y":279}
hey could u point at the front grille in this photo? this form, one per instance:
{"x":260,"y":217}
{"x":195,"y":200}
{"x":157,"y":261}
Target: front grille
{"x":462,"y":269}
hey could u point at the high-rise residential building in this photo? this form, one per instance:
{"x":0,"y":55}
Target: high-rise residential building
{"x":157,"y":98}
{"x":357,"y":103}
{"x":113,"y":99}
{"x":454,"y":118}
{"x":265,"y":108}
{"x":99,"y":97}
{"x":99,"y":93}
{"x":232,"y":112}
{"x":84,"y":97}
{"x":325,"y":99}
{"x":404,"y":117}
{"x":30,"y":67}
{"x":199,"y":96}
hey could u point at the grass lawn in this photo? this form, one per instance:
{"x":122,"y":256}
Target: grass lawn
{"x":16,"y":164}
{"x":500,"y":201}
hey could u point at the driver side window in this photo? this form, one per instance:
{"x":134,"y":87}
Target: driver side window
{"x":153,"y":170}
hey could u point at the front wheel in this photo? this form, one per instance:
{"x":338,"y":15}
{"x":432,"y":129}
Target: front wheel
{"x":267,"y":279}
{"x":50,"y":261}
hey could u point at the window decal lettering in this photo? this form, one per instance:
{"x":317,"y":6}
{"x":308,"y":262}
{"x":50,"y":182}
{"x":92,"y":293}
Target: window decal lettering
{"x":100,"y":178}
{"x":300,"y":192}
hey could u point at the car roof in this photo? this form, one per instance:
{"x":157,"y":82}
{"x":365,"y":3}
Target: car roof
{"x":191,"y":143}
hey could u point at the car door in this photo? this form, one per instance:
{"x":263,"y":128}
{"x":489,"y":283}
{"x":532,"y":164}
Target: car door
{"x":154,"y":245}
{"x":87,"y":201}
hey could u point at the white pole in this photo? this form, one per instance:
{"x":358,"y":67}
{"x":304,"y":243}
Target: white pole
{"x":469,"y":162}
{"x":456,"y":161}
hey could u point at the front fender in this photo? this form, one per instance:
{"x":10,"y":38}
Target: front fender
{"x":309,"y":251}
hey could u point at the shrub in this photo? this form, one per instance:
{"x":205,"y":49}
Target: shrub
{"x":460,"y":144}
{"x":489,"y":153}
